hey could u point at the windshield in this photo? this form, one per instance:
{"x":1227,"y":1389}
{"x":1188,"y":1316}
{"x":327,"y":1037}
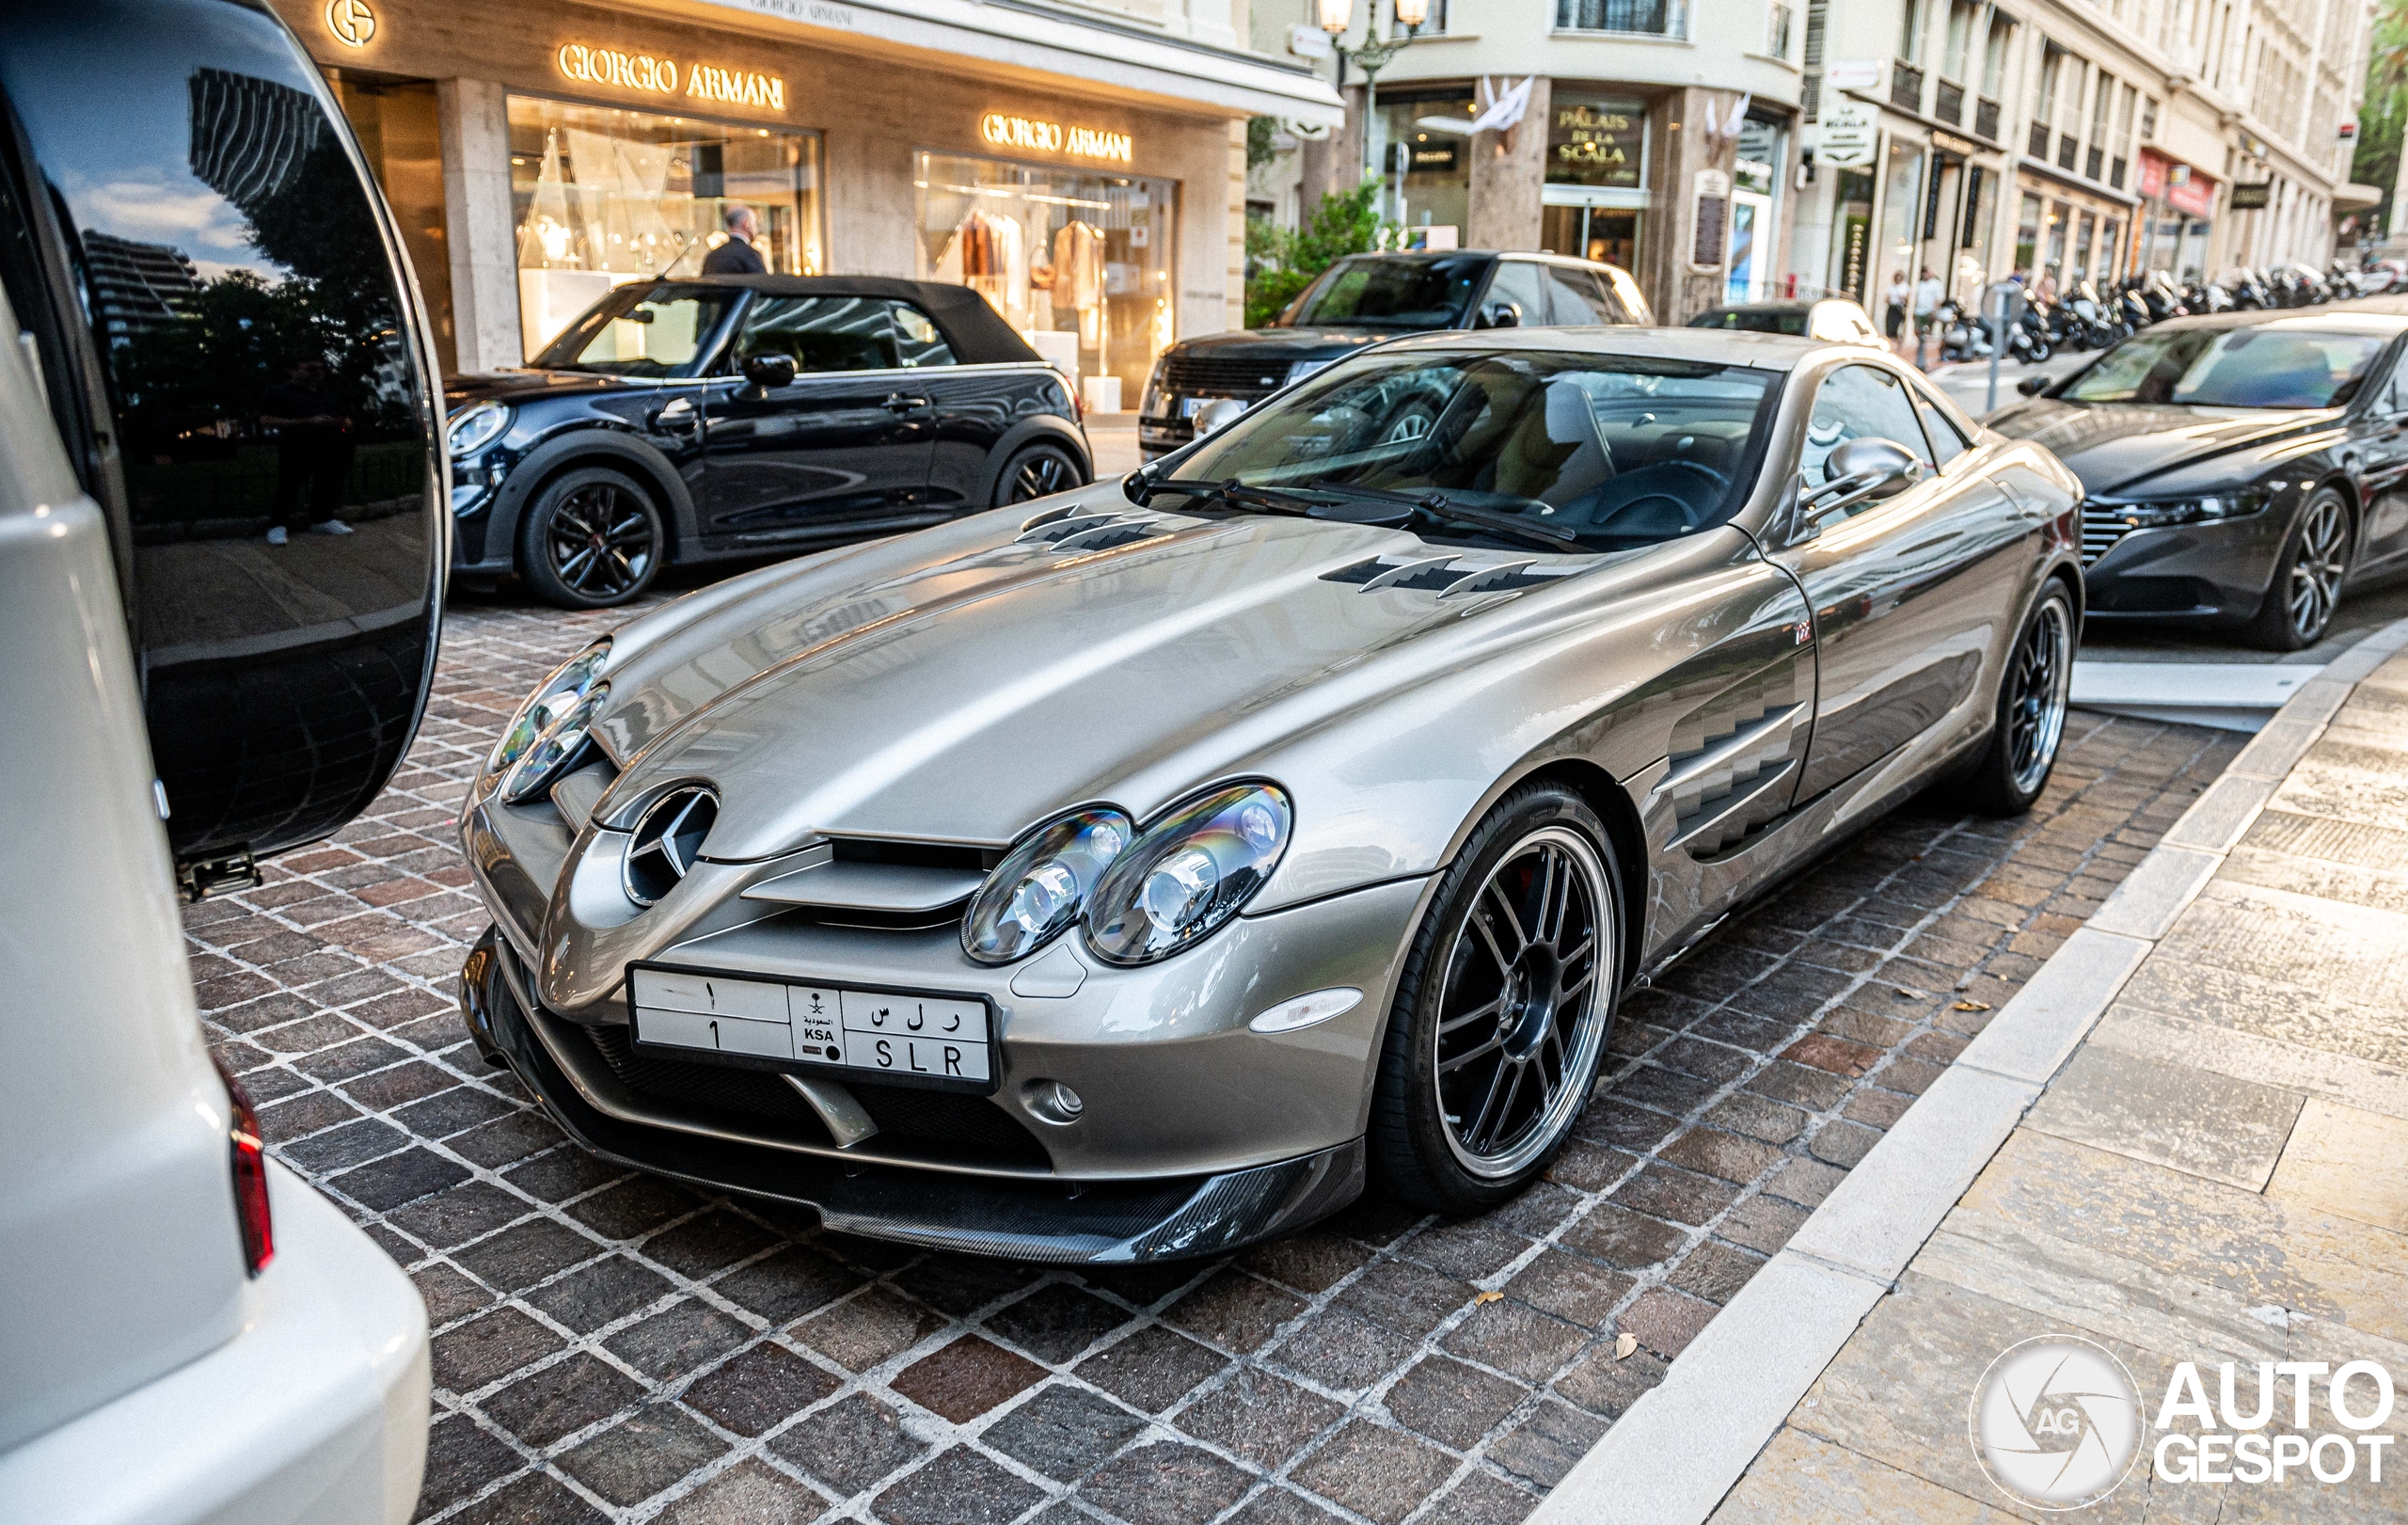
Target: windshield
{"x":1392,"y":291}
{"x":641,"y":330}
{"x":1755,"y":320}
{"x":2252,"y":367}
{"x":1569,"y":453}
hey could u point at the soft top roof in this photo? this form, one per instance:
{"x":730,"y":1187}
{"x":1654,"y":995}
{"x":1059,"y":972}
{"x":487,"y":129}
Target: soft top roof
{"x":977,"y":331}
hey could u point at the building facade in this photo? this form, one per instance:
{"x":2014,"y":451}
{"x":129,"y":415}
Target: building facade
{"x":1737,"y":150}
{"x":1660,"y":135}
{"x":1079,"y":165}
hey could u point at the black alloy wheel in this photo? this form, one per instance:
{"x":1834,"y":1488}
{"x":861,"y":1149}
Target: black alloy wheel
{"x":2306,"y":589}
{"x":2030,"y":718}
{"x":1501,"y":1019}
{"x":593,"y":539}
{"x":1038,"y":471}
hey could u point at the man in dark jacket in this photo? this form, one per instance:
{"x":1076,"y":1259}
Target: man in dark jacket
{"x":312,"y":450}
{"x":736,"y":257}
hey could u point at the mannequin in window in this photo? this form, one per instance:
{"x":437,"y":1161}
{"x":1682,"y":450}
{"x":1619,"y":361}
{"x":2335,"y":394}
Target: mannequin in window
{"x":736,"y":257}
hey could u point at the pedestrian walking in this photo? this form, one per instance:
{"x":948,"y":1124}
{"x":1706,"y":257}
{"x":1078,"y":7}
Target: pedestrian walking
{"x":736,"y":257}
{"x":1929,"y":293}
{"x":312,"y":450}
{"x":1893,"y":318}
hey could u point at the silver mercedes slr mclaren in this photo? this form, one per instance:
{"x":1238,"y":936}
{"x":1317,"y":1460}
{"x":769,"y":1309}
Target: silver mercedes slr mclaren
{"x":1141,"y":872}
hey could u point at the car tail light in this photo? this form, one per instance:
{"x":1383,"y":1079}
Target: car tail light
{"x":249,"y":1154}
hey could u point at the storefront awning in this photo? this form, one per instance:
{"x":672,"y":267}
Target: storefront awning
{"x":1009,"y":38}
{"x":2353,"y":197}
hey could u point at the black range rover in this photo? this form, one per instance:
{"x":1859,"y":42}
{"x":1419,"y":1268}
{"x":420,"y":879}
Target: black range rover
{"x":1365,"y":298}
{"x":686,"y":419}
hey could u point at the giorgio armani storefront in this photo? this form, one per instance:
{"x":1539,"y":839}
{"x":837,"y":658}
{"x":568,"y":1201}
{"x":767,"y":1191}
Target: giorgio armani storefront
{"x":539,"y":154}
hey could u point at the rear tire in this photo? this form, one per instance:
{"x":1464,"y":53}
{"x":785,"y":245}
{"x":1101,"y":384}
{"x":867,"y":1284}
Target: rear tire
{"x":2030,"y":711}
{"x":1038,"y":471}
{"x":2306,"y":588}
{"x":592,"y":539}
{"x":1506,"y":1001}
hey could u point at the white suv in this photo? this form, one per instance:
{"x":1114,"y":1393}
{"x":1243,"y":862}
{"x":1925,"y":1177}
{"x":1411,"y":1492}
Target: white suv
{"x":188,"y":1333}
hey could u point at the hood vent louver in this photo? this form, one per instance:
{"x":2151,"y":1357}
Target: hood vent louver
{"x":1088,"y":532}
{"x":1446,"y":575}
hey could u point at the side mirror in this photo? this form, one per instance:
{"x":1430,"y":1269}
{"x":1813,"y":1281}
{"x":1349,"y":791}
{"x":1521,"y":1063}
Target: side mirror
{"x":1501,"y":315}
{"x":1856,"y":472}
{"x":2032,"y":386}
{"x":769,"y":372}
{"x":1219,"y":414}
{"x":1878,"y":468}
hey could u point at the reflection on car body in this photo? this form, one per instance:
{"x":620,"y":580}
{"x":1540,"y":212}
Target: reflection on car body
{"x":1298,"y":807}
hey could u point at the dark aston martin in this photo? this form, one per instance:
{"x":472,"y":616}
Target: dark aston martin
{"x":741,"y":416}
{"x":2243,"y":470}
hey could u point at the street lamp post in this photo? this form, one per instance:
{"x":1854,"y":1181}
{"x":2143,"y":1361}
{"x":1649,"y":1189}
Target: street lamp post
{"x":1336,"y":16}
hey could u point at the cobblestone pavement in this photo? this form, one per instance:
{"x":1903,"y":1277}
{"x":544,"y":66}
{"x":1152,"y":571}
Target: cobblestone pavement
{"x":611,"y":1347}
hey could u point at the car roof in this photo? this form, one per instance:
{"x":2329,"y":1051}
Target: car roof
{"x":978,"y":334}
{"x":2364,"y":316}
{"x":1723,"y":346}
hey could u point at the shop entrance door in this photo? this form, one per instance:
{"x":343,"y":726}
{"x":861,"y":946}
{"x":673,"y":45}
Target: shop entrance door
{"x":1750,"y":258}
{"x":845,"y":446}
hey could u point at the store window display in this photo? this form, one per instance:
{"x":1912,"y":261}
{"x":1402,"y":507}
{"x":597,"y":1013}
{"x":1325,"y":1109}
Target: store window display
{"x":1080,"y":263}
{"x":604,"y":197}
{"x":1423,"y":150}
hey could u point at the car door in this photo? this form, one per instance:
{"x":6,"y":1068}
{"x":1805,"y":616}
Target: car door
{"x":1522,"y":282}
{"x":972,"y":407}
{"x":2379,"y":433}
{"x":1908,"y":593}
{"x":845,"y":445}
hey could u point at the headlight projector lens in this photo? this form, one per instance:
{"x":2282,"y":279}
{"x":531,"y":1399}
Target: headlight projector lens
{"x":1190,"y":872}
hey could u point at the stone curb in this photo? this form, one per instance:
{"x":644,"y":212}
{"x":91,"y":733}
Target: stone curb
{"x":1677,"y":1451}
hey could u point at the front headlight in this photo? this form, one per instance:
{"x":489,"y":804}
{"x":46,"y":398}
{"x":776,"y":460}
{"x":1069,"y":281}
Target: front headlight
{"x":546,"y":708}
{"x":1190,"y":872}
{"x":1302,"y":369}
{"x":476,"y":426}
{"x":1041,"y":885}
{"x":554,"y":748}
{"x":2211,"y":506}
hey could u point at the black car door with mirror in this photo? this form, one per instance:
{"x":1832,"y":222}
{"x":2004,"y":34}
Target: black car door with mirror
{"x":2382,"y":431}
{"x":1908,"y":588}
{"x":817,"y":428}
{"x":192,"y":201}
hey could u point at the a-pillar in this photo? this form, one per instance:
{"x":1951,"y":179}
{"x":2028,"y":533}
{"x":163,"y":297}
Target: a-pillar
{"x":477,"y":224}
{"x":1507,"y":182}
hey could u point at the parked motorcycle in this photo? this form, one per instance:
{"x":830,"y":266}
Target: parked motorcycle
{"x":2245,"y":289}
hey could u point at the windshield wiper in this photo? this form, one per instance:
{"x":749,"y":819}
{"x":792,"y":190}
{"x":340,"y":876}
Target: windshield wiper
{"x":1245,"y":495}
{"x":1438,"y":505}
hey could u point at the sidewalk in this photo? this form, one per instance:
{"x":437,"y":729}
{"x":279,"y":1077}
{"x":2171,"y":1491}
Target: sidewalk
{"x":2186,"y":1140}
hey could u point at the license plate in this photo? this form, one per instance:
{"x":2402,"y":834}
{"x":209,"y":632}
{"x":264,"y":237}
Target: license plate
{"x":914,"y":1037}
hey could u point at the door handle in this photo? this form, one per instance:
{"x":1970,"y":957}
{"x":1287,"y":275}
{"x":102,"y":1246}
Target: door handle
{"x":678,"y":413}
{"x":897,"y":403}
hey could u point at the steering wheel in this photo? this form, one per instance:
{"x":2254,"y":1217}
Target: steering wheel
{"x":1633,"y":515}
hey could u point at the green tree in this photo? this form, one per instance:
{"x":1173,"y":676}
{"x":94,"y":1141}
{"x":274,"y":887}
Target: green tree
{"x":1280,"y":264}
{"x":2384,"y":116}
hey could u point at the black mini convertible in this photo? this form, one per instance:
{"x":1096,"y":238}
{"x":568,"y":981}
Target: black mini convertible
{"x":682,"y":420}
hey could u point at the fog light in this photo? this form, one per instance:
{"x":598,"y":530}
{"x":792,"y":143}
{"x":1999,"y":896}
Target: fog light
{"x":1053,"y":1101}
{"x":1305,"y":1011}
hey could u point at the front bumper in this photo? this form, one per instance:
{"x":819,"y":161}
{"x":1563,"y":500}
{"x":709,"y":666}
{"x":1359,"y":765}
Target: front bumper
{"x":2216,"y":571}
{"x":1033,"y":1216}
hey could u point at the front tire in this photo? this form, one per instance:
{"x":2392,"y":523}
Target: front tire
{"x":1038,"y":471}
{"x":2030,"y":721}
{"x":591,"y":540}
{"x":1502,"y":1018}
{"x":2307,"y":587}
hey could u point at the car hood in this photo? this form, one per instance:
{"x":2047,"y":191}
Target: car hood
{"x":962,"y":684}
{"x":522,"y":386}
{"x":2115,"y":447}
{"x":1286,"y":345}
